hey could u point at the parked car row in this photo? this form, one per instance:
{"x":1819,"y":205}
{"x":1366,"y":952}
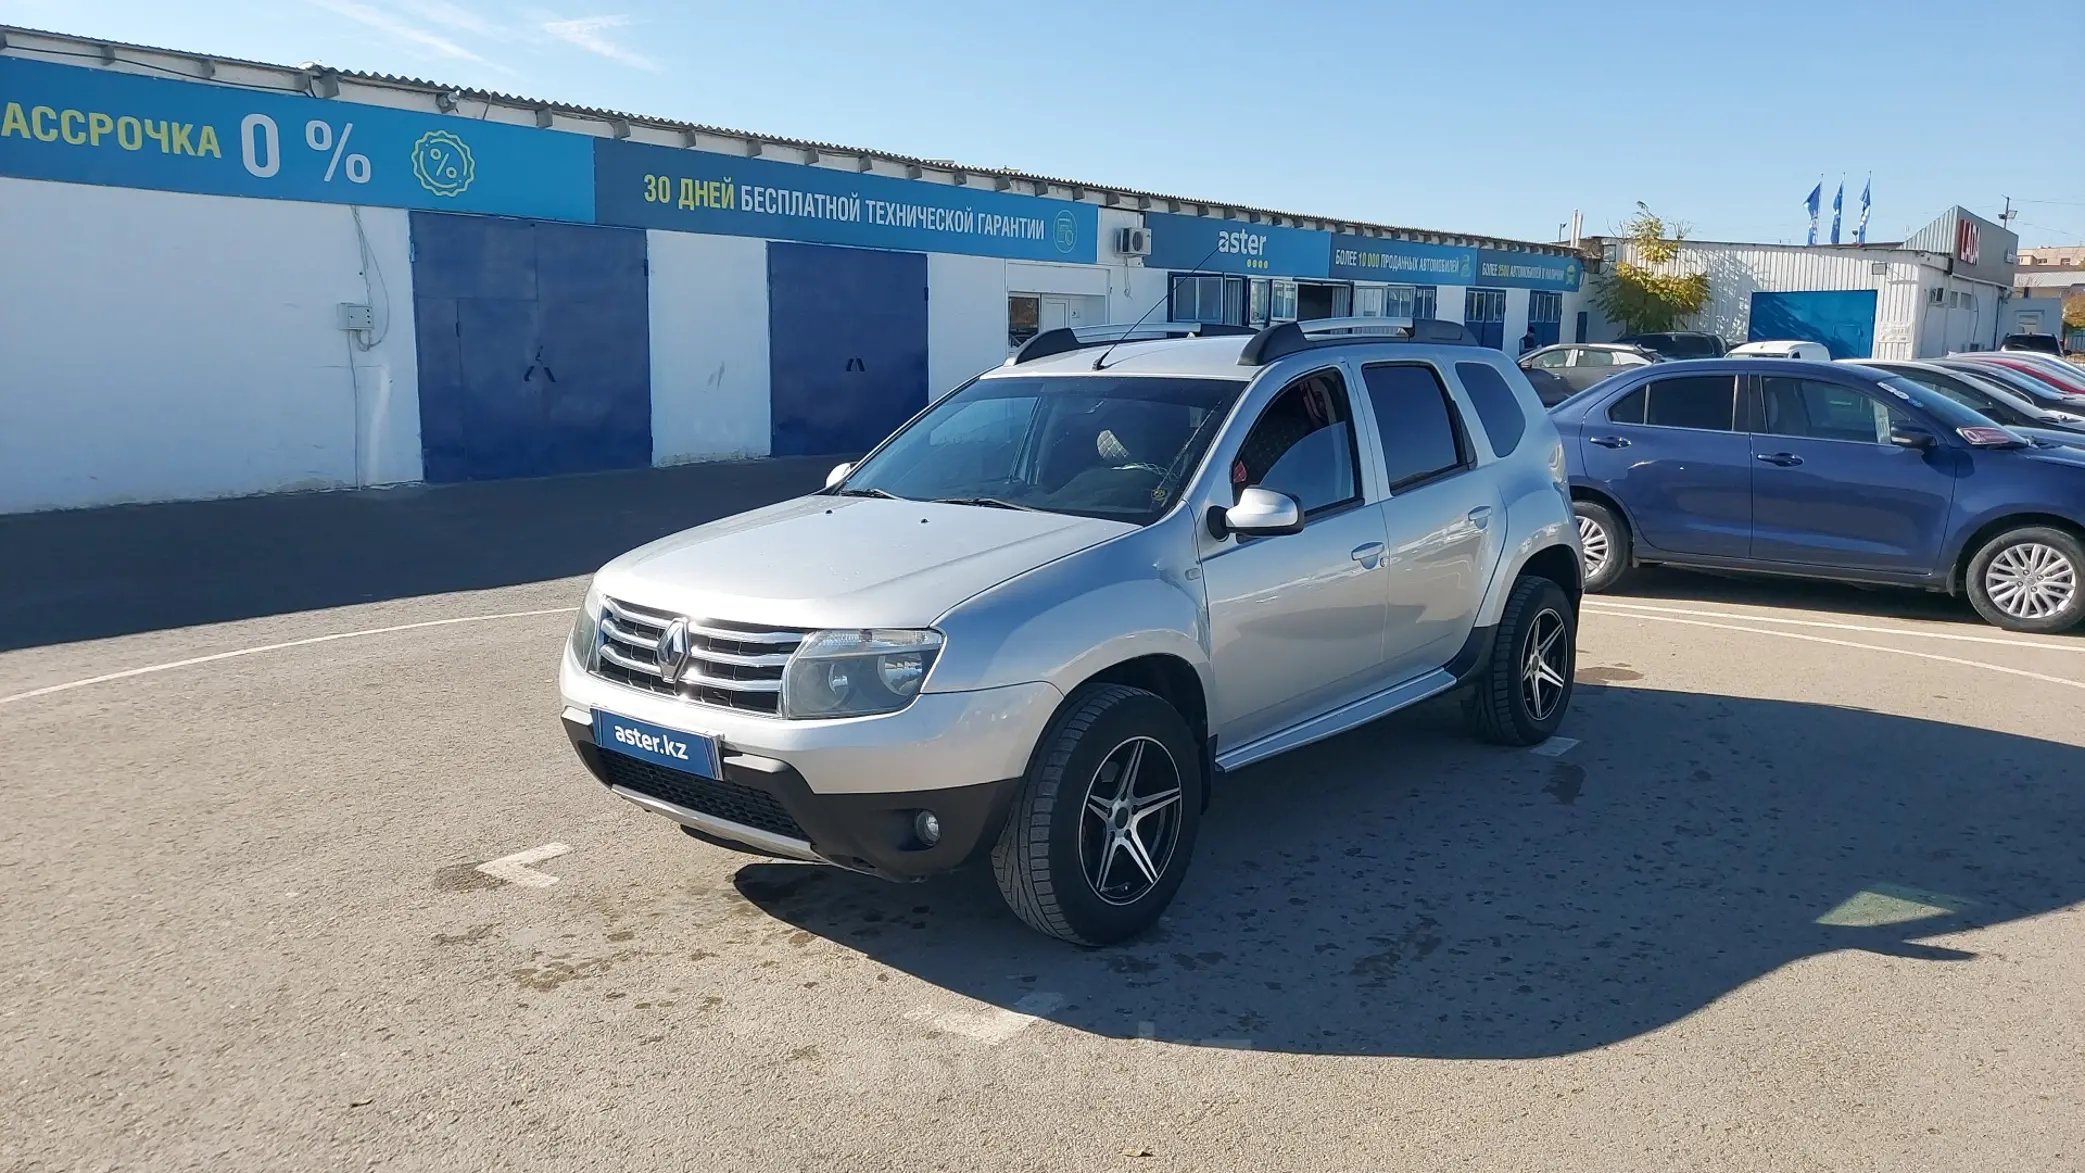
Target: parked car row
{"x":1964,"y":475}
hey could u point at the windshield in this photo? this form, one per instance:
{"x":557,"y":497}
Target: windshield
{"x":1673,"y":345}
{"x":1116,"y":447}
{"x":2019,"y":381}
{"x":1942,"y":408}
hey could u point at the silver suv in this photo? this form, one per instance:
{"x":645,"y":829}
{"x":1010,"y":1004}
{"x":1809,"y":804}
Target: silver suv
{"x":1037,"y":623}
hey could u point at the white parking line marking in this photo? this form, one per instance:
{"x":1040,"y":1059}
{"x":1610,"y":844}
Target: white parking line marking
{"x":1842,"y":643}
{"x":295,"y":643}
{"x":990,"y":1027}
{"x":1556,"y":747}
{"x":514,"y":868}
{"x":1612,"y":607}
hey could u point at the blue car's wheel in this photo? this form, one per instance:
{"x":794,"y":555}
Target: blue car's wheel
{"x":1603,"y":541}
{"x":2030,"y":579}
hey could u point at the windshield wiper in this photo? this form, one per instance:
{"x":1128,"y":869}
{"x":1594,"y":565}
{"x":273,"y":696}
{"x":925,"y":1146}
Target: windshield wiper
{"x":986,"y":502}
{"x":869,"y":493}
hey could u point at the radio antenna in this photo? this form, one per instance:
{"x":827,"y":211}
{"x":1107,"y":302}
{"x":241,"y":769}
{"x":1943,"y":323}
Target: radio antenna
{"x":1099,"y":363}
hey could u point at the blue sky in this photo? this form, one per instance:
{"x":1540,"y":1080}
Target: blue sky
{"x":1497,"y":117}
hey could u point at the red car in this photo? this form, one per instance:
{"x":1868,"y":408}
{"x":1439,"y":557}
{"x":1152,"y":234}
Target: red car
{"x":2067,"y":382}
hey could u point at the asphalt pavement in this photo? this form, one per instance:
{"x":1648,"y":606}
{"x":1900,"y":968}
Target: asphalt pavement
{"x":1799,"y":888}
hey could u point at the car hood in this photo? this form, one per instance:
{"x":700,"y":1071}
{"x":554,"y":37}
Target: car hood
{"x":845,"y":561}
{"x":2058,"y":436}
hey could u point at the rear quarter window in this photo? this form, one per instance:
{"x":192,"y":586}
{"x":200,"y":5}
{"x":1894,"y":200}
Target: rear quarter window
{"x":1497,"y":406}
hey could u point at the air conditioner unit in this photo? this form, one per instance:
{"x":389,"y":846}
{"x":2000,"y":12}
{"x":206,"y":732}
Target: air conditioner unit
{"x":1133,"y":242}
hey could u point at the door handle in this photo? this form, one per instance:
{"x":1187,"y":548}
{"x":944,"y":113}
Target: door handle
{"x":1480,"y":516}
{"x":1609,"y":441}
{"x":1368,"y":555}
{"x":1784,"y":459}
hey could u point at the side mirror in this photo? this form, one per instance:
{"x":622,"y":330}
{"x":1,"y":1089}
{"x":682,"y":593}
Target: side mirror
{"x":838,"y":474}
{"x":1261,"y":513}
{"x":1913,"y":438}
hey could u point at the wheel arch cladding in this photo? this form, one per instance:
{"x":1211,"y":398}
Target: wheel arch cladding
{"x":1559,"y":565}
{"x":1958,"y":567}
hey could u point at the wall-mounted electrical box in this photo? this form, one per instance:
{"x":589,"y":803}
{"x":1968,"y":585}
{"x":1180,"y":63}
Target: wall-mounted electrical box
{"x":356,"y":316}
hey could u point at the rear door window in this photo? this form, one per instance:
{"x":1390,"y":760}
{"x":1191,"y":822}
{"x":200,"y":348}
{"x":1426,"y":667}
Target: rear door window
{"x":1700,"y":402}
{"x":1497,"y":406}
{"x":1422,"y":433}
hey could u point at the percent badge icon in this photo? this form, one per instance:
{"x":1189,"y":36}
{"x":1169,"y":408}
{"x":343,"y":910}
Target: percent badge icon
{"x":443,"y":164}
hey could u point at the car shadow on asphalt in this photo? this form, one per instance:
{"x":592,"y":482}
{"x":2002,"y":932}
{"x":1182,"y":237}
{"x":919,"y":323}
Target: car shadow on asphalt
{"x":94,"y":573}
{"x":1404,"y":891}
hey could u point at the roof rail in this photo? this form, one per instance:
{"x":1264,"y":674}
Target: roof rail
{"x":1065,"y":339}
{"x":1291,"y":337}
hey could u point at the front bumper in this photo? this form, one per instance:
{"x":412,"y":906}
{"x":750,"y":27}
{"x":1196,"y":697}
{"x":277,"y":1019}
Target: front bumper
{"x":766,"y":806}
{"x":839,"y":791}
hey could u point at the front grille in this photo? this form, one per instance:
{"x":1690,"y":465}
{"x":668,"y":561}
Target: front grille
{"x":730,"y":665}
{"x":724,"y":800}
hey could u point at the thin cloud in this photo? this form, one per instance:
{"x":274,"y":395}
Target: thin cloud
{"x":589,"y":33}
{"x":455,"y":16}
{"x":399,"y":28}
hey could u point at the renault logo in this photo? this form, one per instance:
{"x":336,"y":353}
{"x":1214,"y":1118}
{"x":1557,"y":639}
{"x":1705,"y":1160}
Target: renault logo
{"x":673,"y":651}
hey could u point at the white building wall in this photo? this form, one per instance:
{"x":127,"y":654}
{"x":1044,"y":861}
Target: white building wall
{"x":1516,"y":319}
{"x":156,"y":346}
{"x":1450,"y":305}
{"x":709,"y":344}
{"x":966,"y":318}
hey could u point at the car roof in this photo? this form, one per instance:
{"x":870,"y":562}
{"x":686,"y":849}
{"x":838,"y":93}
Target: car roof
{"x":1217,"y":358}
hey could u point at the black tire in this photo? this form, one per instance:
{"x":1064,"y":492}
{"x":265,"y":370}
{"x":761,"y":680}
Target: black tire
{"x":1598,"y":522}
{"x":1501,"y":707}
{"x":2040,"y":554}
{"x":1053,"y":839}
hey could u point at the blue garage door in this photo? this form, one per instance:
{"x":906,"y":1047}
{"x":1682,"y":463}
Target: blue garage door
{"x":847,"y":346}
{"x":534,"y":345}
{"x":1484,"y":314}
{"x":1842,"y":319}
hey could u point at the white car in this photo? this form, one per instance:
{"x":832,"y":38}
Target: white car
{"x":1812,"y":351}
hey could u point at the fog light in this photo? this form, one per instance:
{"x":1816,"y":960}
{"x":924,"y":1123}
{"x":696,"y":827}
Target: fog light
{"x":927,"y":825}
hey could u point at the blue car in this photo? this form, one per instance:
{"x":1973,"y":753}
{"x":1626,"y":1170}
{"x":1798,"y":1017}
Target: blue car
{"x":1825,"y":470}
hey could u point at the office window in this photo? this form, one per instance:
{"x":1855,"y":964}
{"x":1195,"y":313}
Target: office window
{"x":1546,"y":316}
{"x":1196,"y":298}
{"x":1023,"y":318}
{"x":1368,"y":302}
{"x":1398,"y":301}
{"x":1256,"y":309}
{"x":1426,"y":301}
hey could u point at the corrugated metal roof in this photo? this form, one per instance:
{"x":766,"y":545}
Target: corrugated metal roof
{"x":105,"y":51}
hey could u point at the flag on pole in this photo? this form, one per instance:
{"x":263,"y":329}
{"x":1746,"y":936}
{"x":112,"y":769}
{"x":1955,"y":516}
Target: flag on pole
{"x":1816,"y":194}
{"x":1838,"y":201}
{"x":1860,"y":229}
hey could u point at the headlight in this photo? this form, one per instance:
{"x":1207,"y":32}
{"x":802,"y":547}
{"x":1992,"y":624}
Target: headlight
{"x":856,"y":673}
{"x":586,"y":629}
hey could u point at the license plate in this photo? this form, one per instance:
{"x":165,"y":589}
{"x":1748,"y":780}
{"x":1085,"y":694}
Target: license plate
{"x":675,"y":749}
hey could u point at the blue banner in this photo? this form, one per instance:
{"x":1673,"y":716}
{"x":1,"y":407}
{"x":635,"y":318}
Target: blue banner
{"x":1209,"y":245}
{"x":79,"y":125}
{"x":1514,"y":269}
{"x":1363,"y":258}
{"x":645,"y":186}
{"x":1367,"y":258}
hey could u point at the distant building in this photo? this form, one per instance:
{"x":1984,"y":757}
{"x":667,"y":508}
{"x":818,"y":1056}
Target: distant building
{"x":1945,"y":289}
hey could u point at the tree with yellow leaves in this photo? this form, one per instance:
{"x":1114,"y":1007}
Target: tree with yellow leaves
{"x":1636,"y":293}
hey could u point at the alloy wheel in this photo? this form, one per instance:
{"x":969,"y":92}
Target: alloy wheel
{"x":1543,"y":663}
{"x":1597,"y":546}
{"x":1131,"y":824}
{"x":2031,"y":581}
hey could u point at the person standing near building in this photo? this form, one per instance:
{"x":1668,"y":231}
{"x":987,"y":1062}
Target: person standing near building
{"x":1527,"y":341}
